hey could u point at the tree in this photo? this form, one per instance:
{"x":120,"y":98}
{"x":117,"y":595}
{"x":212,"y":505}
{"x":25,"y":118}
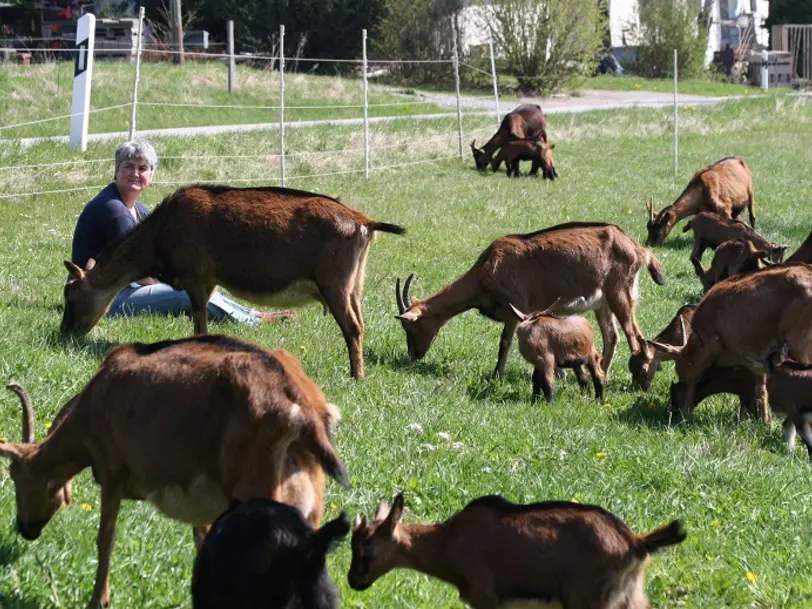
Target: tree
{"x":547,"y":43}
{"x":790,"y":11}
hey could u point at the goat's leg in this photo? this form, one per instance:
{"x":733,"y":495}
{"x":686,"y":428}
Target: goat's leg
{"x":698,"y":250}
{"x":110,"y":504}
{"x":199,"y":296}
{"x":594,"y":367}
{"x":505,"y":340}
{"x":760,"y":391}
{"x":580,"y":375}
{"x":751,"y":206}
{"x":339,"y":301}
{"x":534,"y":170}
{"x":623,"y":306}
{"x":608,"y":327}
{"x":789,"y":433}
{"x":806,"y":435}
{"x":543,"y":381}
{"x":199,"y":534}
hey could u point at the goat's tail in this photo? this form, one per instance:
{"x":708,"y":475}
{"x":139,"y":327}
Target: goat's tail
{"x":655,"y":269}
{"x":316,"y":439}
{"x":669,"y":535}
{"x":385,"y":227}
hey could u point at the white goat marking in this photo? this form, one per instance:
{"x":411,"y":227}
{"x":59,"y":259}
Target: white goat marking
{"x":636,"y":287}
{"x":296,"y":294}
{"x":199,"y":504}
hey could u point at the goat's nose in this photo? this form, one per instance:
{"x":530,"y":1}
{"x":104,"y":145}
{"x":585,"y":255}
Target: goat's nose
{"x":29,"y":531}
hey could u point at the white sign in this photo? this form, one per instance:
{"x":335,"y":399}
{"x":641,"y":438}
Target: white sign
{"x":82,"y":77}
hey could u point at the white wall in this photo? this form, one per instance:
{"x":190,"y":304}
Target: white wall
{"x":623,"y":17}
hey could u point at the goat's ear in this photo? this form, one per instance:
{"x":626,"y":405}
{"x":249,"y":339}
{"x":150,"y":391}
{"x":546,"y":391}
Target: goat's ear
{"x":409,"y":316}
{"x":396,"y":513}
{"x":381,"y":512}
{"x":91,"y":262}
{"x":11,"y":450}
{"x":74,"y":270}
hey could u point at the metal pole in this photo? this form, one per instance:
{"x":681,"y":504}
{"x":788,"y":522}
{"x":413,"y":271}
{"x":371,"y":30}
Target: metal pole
{"x":493,"y":76}
{"x":366,"y":103}
{"x":282,"y":103}
{"x":139,"y":43}
{"x":177,"y":28}
{"x":457,"y":84}
{"x":765,"y":72}
{"x":232,"y":64}
{"x":676,"y":117}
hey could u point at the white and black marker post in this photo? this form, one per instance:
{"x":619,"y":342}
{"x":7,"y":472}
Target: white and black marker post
{"x":82,"y":77}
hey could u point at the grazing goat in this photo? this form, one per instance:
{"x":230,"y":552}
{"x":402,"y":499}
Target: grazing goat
{"x":526,"y":121}
{"x":803,"y":253}
{"x":263,"y":554}
{"x":549,"y":342}
{"x":538,"y":151}
{"x":724,"y":188}
{"x":188,"y":425}
{"x":711,"y":230}
{"x":739,"y":320}
{"x":733,"y":257}
{"x":586,"y":266}
{"x":269,"y":245}
{"x":738,"y":380}
{"x":789,"y":385}
{"x":643,"y":365}
{"x":496,"y":552}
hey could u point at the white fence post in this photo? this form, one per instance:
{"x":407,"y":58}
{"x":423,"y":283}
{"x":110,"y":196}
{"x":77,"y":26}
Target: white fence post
{"x":765,"y":71}
{"x":676,"y":117}
{"x":232,"y":64}
{"x":457,"y":85}
{"x":82,"y":77}
{"x":139,"y":44}
{"x":366,"y":103}
{"x":493,"y":77}
{"x":282,"y":103}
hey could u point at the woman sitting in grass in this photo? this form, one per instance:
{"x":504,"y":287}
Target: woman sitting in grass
{"x":114,"y":212}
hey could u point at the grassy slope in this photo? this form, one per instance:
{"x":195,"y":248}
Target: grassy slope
{"x":744,"y":501}
{"x":700,"y":86}
{"x":44,"y":90}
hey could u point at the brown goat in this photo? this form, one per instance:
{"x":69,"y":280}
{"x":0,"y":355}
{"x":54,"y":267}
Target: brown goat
{"x":789,"y":385}
{"x":803,"y":253}
{"x":711,"y":230}
{"x":733,"y":257}
{"x":588,"y":266}
{"x":738,"y":380}
{"x":643,"y":365}
{"x":549,"y":342}
{"x":187,"y":425}
{"x":304,"y":247}
{"x":538,"y":151}
{"x":741,"y":319}
{"x":496,"y":552}
{"x":526,"y":121}
{"x":724,"y":188}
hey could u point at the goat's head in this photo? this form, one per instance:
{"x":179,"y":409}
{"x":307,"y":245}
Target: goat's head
{"x":777,"y":253}
{"x":374,"y":545}
{"x":38,"y":495}
{"x":84,"y":305}
{"x":481,"y":158}
{"x":547,"y":162}
{"x":643,"y":365}
{"x":421,"y":329}
{"x":658,"y":227}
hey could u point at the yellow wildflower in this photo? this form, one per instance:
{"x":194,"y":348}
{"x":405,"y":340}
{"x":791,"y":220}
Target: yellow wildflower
{"x":751,"y":577}
{"x":86,"y":507}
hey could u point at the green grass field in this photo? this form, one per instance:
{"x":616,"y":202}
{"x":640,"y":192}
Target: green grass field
{"x":697,"y":86}
{"x":744,"y":500}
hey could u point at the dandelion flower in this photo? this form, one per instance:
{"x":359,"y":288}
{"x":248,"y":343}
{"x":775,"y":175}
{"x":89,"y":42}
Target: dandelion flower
{"x":601,"y":455}
{"x":751,"y":577}
{"x":574,"y":500}
{"x":3,"y":440}
{"x":86,"y":507}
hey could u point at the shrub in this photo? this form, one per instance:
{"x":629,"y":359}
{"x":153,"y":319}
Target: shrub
{"x":547,"y":43}
{"x":666,"y":25}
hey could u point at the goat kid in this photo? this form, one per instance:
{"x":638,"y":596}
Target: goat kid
{"x":734,"y":257}
{"x":305,"y":246}
{"x":724,"y":188}
{"x":643,"y":365}
{"x":526,"y":121}
{"x":586,"y":266}
{"x":738,"y":381}
{"x":538,"y":151}
{"x":496,"y":552}
{"x":739,"y":320}
{"x":261,"y":553}
{"x":187,"y":425}
{"x":789,"y":385}
{"x":712,"y":230}
{"x":549,"y":342}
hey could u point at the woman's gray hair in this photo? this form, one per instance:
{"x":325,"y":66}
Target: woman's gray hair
{"x":136,"y":149}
